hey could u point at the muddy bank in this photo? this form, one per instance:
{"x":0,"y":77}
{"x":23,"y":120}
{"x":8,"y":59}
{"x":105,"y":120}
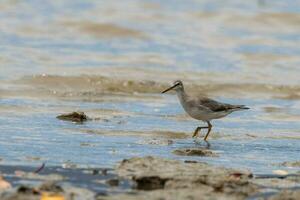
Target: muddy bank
{"x":92,"y":86}
{"x":100,"y":30}
{"x":148,"y":178}
{"x":157,"y":178}
{"x":88,"y":82}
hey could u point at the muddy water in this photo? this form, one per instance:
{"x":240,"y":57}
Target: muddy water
{"x":112,"y":59}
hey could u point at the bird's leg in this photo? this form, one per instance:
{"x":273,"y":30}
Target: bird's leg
{"x":196,"y":131}
{"x":199,"y":129}
{"x":208,"y":131}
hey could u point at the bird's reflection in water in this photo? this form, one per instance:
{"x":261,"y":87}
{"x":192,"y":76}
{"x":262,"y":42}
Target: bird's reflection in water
{"x":202,"y":143}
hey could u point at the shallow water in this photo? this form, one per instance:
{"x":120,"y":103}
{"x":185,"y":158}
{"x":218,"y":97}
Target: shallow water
{"x":112,"y":59}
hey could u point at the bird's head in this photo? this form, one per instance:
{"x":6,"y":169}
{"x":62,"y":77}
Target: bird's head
{"x":177,"y":85}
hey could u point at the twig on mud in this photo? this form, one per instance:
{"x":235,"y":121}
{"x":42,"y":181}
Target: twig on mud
{"x":40,"y":168}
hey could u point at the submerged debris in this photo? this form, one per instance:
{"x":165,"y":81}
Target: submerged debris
{"x":74,"y":117}
{"x":195,"y":152}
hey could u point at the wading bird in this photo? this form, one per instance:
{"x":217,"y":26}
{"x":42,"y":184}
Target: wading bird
{"x":203,"y":108}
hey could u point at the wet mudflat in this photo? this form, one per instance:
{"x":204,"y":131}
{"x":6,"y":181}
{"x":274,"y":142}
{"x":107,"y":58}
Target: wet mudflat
{"x":145,"y":178}
{"x":96,"y":58}
{"x":95,"y":180}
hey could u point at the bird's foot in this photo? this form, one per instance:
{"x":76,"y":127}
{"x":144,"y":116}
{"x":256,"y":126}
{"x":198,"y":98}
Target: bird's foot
{"x":207,"y":144}
{"x":197,"y":142}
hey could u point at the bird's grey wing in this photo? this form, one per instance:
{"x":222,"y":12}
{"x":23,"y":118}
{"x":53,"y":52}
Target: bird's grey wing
{"x":194,"y":103}
{"x":215,"y":106}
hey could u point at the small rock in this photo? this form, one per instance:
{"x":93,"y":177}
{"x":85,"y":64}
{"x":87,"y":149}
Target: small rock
{"x":150,"y":182}
{"x":74,"y":117}
{"x":104,"y":172}
{"x":51,"y":186}
{"x":195,"y":152}
{"x":86,"y":144}
{"x":27,"y":190}
{"x":96,"y":171}
{"x":113,"y":182}
{"x":190,"y":161}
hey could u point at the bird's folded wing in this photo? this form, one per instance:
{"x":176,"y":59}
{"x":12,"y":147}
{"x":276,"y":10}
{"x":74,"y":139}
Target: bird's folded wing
{"x":212,"y":105}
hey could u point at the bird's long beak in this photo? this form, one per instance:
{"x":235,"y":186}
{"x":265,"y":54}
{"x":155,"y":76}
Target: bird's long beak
{"x":170,"y":88}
